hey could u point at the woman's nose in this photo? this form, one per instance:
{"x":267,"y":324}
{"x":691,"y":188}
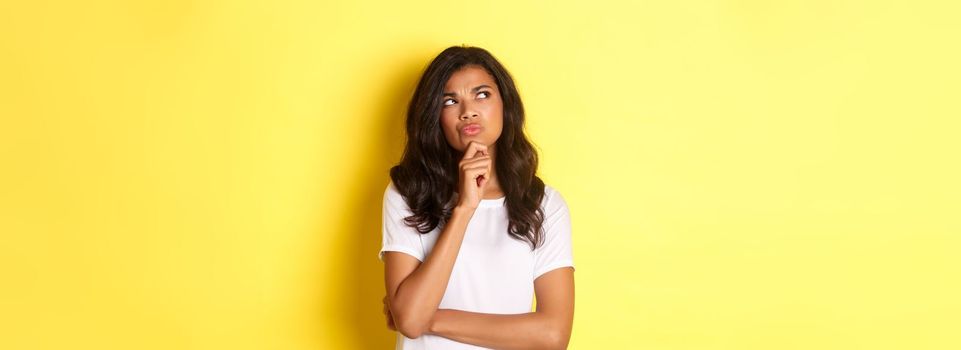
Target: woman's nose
{"x":468,"y":114}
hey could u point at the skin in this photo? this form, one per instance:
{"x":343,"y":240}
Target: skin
{"x":415,"y":289}
{"x":471,"y":97}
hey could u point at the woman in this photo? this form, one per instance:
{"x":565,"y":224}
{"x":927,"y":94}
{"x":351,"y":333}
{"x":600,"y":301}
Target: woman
{"x":470,"y":233}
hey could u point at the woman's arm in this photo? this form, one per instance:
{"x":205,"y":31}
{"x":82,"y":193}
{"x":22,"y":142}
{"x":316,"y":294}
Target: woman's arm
{"x":414,"y":290}
{"x":547,"y":328}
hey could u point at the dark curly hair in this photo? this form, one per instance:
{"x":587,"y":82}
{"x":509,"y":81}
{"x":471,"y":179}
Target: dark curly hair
{"x":428,"y":171}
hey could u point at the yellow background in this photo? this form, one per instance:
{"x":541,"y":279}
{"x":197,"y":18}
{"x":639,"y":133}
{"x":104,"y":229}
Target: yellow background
{"x":741,"y":174}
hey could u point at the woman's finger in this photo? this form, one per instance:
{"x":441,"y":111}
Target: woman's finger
{"x":468,"y":160}
{"x":473,"y":148}
{"x":474,"y":168}
{"x":475,"y":161}
{"x":477,"y":175}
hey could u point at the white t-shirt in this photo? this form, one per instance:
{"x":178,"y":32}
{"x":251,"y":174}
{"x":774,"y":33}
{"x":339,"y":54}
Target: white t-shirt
{"x":494,"y":273}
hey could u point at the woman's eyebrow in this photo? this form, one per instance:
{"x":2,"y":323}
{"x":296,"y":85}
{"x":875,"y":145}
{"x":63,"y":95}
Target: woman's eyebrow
{"x":472,"y":90}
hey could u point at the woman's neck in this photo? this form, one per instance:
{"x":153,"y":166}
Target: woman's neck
{"x":493,"y":187}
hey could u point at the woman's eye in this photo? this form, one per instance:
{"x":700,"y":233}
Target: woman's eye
{"x":486,"y":95}
{"x":448,"y":102}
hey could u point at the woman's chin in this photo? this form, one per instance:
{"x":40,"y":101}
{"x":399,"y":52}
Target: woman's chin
{"x":466,"y":140}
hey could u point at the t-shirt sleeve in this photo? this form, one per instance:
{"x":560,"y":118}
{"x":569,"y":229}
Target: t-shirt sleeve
{"x":556,"y":250}
{"x":397,"y":236}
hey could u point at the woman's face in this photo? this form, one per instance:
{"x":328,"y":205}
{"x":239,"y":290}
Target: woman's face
{"x":472,"y":108}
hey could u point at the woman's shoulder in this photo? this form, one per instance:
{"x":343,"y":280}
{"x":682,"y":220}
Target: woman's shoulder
{"x":392,"y":195}
{"x":552,"y":198}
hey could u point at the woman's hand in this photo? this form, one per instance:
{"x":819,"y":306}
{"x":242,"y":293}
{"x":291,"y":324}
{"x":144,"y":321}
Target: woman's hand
{"x":390,"y":318}
{"x":475,"y":169}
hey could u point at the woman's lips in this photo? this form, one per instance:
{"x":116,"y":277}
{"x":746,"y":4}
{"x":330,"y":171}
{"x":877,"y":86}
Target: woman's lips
{"x":471,"y":130}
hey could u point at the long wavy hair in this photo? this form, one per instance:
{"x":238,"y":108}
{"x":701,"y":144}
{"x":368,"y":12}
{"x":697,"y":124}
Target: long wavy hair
{"x":428,"y":171}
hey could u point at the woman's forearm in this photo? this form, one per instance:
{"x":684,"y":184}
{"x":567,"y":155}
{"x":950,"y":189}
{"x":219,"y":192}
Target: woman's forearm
{"x":534,"y":330}
{"x":419,"y":295}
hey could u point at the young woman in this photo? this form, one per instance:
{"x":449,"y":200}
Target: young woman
{"x":470,"y":233}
